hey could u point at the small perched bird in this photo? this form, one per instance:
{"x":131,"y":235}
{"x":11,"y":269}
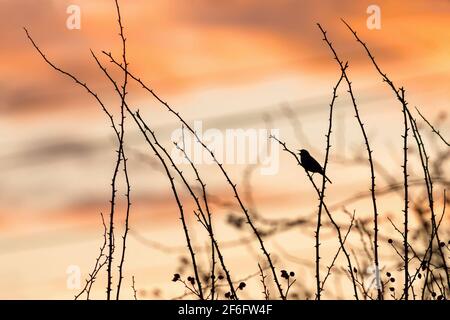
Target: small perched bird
{"x":310,"y":164}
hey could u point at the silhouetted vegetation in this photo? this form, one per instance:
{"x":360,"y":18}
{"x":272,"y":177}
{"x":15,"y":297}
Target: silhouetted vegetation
{"x":419,"y":253}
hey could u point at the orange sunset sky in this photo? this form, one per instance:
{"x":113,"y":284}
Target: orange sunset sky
{"x":236,"y":64}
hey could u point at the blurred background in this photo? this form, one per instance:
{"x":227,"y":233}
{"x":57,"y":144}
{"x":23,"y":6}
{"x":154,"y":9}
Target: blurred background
{"x":231,"y":64}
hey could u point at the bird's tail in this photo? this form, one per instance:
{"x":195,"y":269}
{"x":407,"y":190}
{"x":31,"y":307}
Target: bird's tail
{"x":327,"y":179}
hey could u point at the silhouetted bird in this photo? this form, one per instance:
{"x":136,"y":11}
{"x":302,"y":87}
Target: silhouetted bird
{"x":310,"y":164}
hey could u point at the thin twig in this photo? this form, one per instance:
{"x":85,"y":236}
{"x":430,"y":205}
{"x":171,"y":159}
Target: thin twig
{"x":433,"y":129}
{"x":336,"y":226}
{"x":369,"y":151}
{"x":167,"y":171}
{"x":118,"y":161}
{"x":204,"y":222}
{"x":122,"y":135}
{"x":406,"y":202}
{"x":421,"y":147}
{"x":263,"y":281}
{"x":133,"y":286}
{"x":180,"y":207}
{"x":337,"y":253}
{"x":322,"y":193}
{"x":220,"y":165}
{"x":98,"y":264}
{"x":215,"y":245}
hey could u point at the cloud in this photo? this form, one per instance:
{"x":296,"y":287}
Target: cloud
{"x":179,"y":46}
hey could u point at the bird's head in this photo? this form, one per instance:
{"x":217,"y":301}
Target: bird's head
{"x":303,"y":152}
